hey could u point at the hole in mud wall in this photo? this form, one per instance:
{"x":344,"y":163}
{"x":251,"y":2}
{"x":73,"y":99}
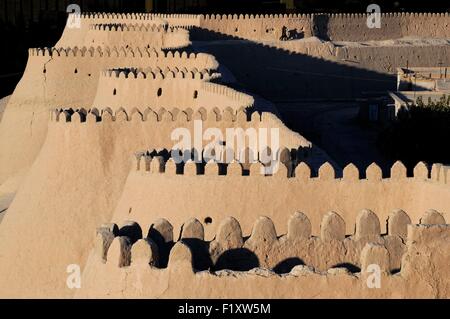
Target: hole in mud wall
{"x":159,"y":93}
{"x":44,"y":71}
{"x":208,"y":220}
{"x":75,"y":71}
{"x":195,"y":94}
{"x":236,"y":30}
{"x":114,"y":92}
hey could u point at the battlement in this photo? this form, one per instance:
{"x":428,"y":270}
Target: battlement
{"x":265,"y":248}
{"x":174,"y":16}
{"x":226,"y":267}
{"x":228,"y":92}
{"x":94,"y":115}
{"x":179,"y":20}
{"x":172,"y":60}
{"x":293,"y":166}
{"x":88,"y":18}
{"x":175,"y":87}
{"x":131,"y":27}
{"x":157,"y":73}
{"x":116,"y":16}
{"x":113,"y":52}
{"x":132,"y":34}
{"x":332,"y":15}
{"x":390,"y":15}
{"x":150,"y":16}
{"x":327,"y":26}
{"x":255,"y":16}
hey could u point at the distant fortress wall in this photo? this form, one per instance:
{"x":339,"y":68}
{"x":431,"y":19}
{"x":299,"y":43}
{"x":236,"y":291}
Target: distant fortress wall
{"x":353,"y":27}
{"x":257,"y":27}
{"x":134,"y":35}
{"x":335,"y":27}
{"x":267,"y":27}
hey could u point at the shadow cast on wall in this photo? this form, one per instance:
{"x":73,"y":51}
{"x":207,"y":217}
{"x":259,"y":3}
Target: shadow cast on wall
{"x":281,"y":75}
{"x":238,"y":259}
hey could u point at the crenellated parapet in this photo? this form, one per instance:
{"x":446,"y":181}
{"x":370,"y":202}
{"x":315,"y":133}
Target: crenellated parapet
{"x":89,"y":18}
{"x":162,"y":123}
{"x":261,"y":27}
{"x":158,"y":73}
{"x":135,"y":27}
{"x":224,"y":90}
{"x":79,"y":26}
{"x":133,"y":34}
{"x":116,"y":16}
{"x":156,"y":18}
{"x":92,"y":52}
{"x":353,"y":27}
{"x":265,"y":248}
{"x":179,"y":20}
{"x":94,"y":115}
{"x":256,"y":16}
{"x":120,"y":51}
{"x":75,"y":66}
{"x":267,"y":27}
{"x":336,"y":27}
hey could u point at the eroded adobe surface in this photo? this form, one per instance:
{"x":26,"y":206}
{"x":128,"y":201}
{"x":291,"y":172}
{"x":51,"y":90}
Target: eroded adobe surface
{"x":127,"y":263}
